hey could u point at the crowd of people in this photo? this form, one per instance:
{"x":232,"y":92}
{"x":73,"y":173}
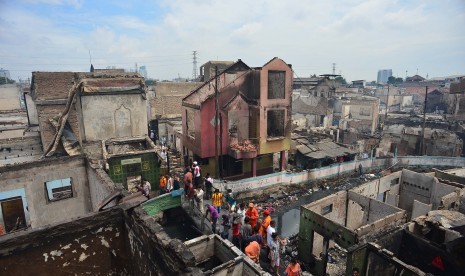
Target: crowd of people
{"x":241,"y":223}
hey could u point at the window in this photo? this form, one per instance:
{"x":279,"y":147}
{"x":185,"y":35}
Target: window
{"x":365,"y":111}
{"x":276,"y":84}
{"x":59,"y":189}
{"x":327,"y":209}
{"x":275,"y":123}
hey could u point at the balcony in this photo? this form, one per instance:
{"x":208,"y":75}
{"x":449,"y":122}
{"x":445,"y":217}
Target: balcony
{"x":242,"y":150}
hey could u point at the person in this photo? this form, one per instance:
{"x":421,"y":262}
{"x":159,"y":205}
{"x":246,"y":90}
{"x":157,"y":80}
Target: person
{"x":213,"y":216}
{"x":197,"y":175}
{"x":191,"y":193}
{"x":176,"y":184}
{"x":252,"y":213}
{"x":208,"y":186}
{"x":199,"y":198}
{"x":152,"y":136}
{"x":246,"y":230}
{"x":236,"y":231}
{"x":275,"y":252}
{"x":230,"y":201}
{"x":256,"y":237}
{"x":355,"y":271}
{"x":146,"y":187}
{"x":253,"y":251}
{"x":241,"y":211}
{"x":187,"y":179}
{"x":226,"y":226}
{"x":360,"y":169}
{"x":217,"y":199}
{"x":293,"y":269}
{"x":169,"y":184}
{"x":163,"y":154}
{"x":162,"y":184}
{"x":265,"y":223}
{"x":269,"y":232}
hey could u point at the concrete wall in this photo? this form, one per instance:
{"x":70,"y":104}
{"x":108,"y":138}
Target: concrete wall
{"x":284,"y":178}
{"x":100,"y":185}
{"x":415,"y":186}
{"x":113,"y":116}
{"x":9,"y":97}
{"x":31,"y":110}
{"x":93,"y":245}
{"x":32,"y":177}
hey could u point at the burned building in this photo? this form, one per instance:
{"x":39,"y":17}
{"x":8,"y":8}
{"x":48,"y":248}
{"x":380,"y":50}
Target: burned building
{"x":402,"y":140}
{"x":365,"y":214}
{"x":254,"y":111}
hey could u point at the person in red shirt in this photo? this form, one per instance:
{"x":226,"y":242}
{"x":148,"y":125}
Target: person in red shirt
{"x":236,"y":231}
{"x":252,"y":213}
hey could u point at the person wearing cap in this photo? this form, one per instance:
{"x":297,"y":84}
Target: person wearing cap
{"x":197,"y":175}
{"x":265,"y":223}
{"x":252,"y":213}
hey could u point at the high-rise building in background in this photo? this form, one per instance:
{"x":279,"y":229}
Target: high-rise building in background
{"x":143,"y":71}
{"x":4,"y":73}
{"x":383,"y":75}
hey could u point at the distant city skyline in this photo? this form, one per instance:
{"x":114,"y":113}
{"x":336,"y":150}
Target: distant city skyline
{"x":359,"y":36}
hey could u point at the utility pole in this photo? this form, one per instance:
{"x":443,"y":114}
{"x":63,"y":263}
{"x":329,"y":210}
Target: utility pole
{"x":221,"y":147}
{"x":387,"y":106}
{"x":216,"y":124}
{"x":194,"y":65}
{"x":423,"y":148}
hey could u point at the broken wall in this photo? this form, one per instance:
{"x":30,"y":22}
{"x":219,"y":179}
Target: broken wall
{"x":369,"y":217}
{"x":100,"y":185}
{"x":152,"y":251}
{"x":94,"y":244}
{"x":375,"y":188}
{"x":32,"y":177}
{"x":414,"y":186}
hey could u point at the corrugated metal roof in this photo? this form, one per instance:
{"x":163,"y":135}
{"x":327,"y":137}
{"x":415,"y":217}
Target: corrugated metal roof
{"x":326,"y":149}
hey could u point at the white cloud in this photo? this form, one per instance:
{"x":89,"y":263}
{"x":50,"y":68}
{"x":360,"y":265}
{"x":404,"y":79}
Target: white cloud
{"x":359,"y":36}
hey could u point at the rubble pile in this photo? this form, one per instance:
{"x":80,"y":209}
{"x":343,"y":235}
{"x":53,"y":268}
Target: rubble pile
{"x":245,"y":145}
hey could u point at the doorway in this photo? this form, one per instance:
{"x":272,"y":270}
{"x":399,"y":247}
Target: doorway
{"x":13,"y":214}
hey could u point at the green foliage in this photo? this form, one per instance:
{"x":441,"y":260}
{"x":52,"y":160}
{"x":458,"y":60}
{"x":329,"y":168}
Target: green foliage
{"x":6,"y":80}
{"x":394,"y":80}
{"x":150,"y":82}
{"x":340,"y":80}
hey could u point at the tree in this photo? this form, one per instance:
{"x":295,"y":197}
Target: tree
{"x":340,"y":80}
{"x":394,"y":80}
{"x":4,"y":80}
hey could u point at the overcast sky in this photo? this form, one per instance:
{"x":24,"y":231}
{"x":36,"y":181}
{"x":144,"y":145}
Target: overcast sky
{"x":360,"y":36}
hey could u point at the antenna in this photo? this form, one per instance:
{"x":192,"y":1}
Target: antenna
{"x":334,"y":68}
{"x":194,"y":65}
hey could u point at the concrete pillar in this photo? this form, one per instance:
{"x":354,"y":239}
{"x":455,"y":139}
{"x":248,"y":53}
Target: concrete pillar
{"x":254,"y":167}
{"x":325,"y":254}
{"x":282,"y":160}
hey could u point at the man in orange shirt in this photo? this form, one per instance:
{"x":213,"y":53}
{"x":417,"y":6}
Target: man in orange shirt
{"x":293,"y":269}
{"x":252,"y":213}
{"x":162,"y":184}
{"x":265,"y":223}
{"x":253,"y":251}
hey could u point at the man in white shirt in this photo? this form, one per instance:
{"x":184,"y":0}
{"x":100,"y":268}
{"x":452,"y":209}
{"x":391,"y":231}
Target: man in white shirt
{"x":270,"y":230}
